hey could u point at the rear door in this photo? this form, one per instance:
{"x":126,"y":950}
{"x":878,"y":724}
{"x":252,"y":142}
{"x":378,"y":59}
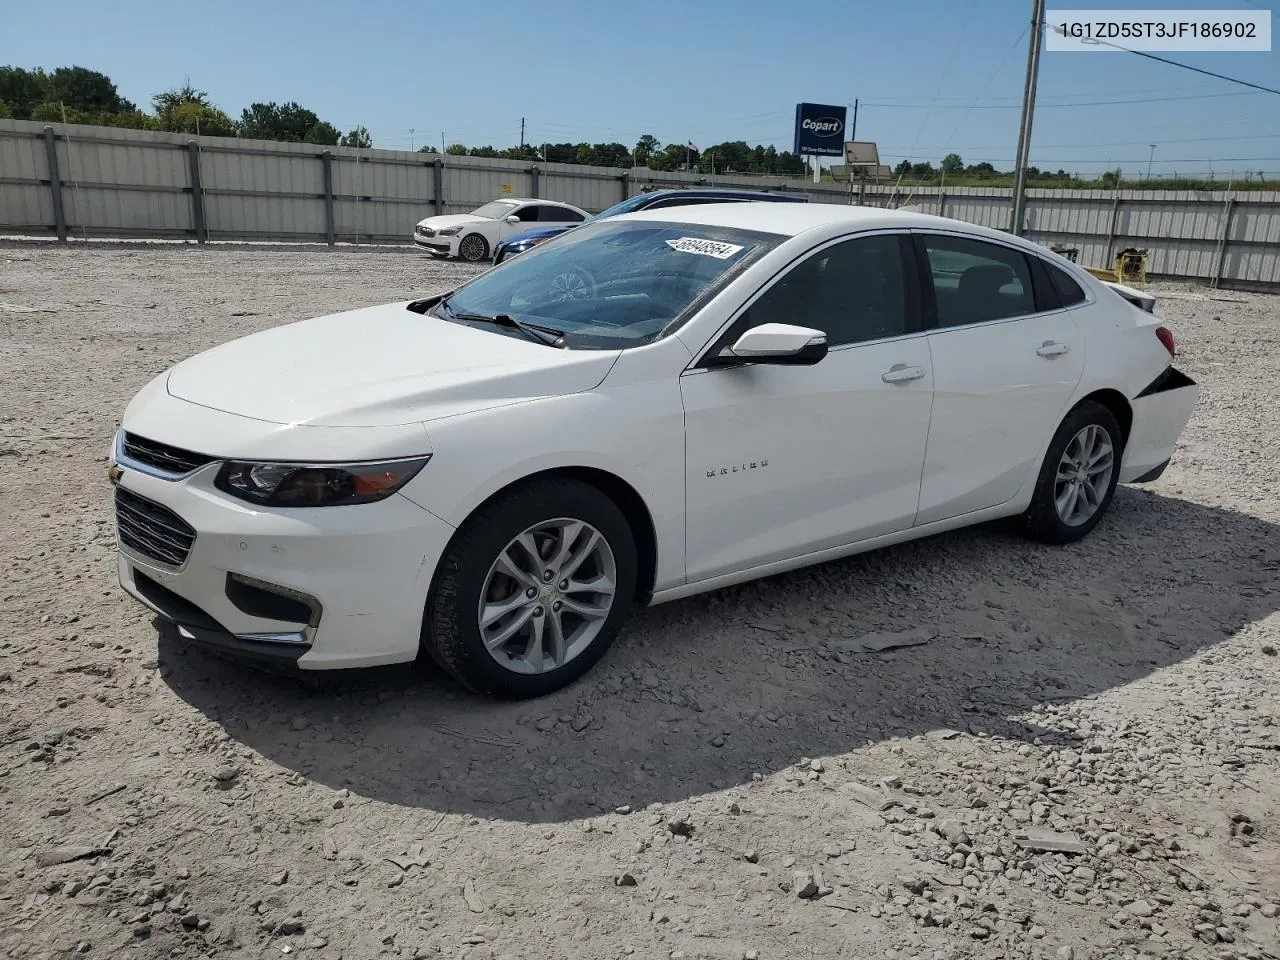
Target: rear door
{"x":553,"y":216}
{"x":1006,"y":361}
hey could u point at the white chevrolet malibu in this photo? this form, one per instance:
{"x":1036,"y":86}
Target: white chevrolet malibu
{"x":500,"y":476}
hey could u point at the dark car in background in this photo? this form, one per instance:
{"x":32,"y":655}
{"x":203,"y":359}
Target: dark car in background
{"x":642,"y":201}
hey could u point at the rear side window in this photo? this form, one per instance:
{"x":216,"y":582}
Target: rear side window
{"x":1068,"y":291}
{"x":975,"y":281}
{"x":559,"y":215}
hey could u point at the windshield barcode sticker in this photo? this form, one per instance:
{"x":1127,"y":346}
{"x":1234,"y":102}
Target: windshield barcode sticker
{"x":708,"y":248}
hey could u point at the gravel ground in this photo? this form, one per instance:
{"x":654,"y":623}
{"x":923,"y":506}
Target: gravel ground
{"x":1082,"y":761}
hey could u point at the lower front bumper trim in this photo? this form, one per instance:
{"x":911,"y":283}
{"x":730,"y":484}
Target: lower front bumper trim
{"x":280,"y":655}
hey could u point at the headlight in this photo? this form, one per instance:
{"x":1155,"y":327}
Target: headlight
{"x":316,"y":484}
{"x":449,"y":232}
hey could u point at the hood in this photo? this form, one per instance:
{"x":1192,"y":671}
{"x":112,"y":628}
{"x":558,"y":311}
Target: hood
{"x":379,"y":366}
{"x":452,"y":220}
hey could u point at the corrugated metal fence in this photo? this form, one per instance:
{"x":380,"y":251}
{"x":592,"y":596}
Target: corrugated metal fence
{"x":79,"y":182}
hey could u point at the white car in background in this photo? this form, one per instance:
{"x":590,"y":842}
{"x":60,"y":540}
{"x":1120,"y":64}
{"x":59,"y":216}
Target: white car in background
{"x":473,"y":236}
{"x":502,"y":476}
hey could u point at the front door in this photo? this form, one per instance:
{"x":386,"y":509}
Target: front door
{"x":528,"y":214}
{"x":784,"y":461}
{"x":1004,"y":373}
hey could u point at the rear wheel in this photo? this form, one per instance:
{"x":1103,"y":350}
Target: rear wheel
{"x":532,"y":590}
{"x":473,"y":248}
{"x":1078,"y":477}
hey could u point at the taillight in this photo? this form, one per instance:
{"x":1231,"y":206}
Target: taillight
{"x":1165,"y":336}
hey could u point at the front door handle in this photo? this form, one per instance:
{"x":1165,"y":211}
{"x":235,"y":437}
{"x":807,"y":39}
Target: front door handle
{"x":1051,"y":348}
{"x":901,"y":373}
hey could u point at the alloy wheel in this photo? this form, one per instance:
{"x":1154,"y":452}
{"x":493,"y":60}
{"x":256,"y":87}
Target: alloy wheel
{"x":547,"y":596}
{"x":472,"y":247}
{"x":1084,"y":475}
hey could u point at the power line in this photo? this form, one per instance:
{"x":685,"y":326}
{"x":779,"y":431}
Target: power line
{"x":1079,"y":103}
{"x":1040,"y":160}
{"x":1106,"y":143}
{"x":1184,"y":66}
{"x":1207,"y":73}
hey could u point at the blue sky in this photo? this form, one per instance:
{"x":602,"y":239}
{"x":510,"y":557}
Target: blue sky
{"x":932,"y":78}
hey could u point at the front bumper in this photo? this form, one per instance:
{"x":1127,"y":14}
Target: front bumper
{"x":358,"y":574}
{"x":440,"y":246}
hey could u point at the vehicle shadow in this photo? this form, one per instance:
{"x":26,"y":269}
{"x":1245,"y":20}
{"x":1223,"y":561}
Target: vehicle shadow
{"x":706,"y":692}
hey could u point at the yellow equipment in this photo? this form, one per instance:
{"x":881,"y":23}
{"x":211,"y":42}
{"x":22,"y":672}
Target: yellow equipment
{"x":1130,"y":268}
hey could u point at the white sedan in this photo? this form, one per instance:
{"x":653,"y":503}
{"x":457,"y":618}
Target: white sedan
{"x":501,"y":476}
{"x":474,"y":236}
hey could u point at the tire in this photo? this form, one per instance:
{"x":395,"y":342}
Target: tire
{"x":468,"y":571}
{"x":473,"y":248}
{"x":1087,"y":424}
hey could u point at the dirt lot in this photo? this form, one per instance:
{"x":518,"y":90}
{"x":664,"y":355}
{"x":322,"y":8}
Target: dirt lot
{"x":713,"y":788}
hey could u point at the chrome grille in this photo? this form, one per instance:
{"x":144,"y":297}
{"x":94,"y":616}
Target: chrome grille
{"x":161,"y":456}
{"x":151,"y":530}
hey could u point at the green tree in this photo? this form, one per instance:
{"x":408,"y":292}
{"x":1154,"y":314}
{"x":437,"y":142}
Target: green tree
{"x":322,"y":133}
{"x":661,"y":162}
{"x":188,"y":110}
{"x":646,"y":147}
{"x":359,"y":137}
{"x":192,"y":117}
{"x":1111,"y":179}
{"x":456,"y":150}
{"x":902,"y":169}
{"x":952,"y":165}
{"x":6,"y":111}
{"x":23,"y":90}
{"x":86,"y":90}
{"x":271,"y":121}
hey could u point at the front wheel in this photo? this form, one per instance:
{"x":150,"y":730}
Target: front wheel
{"x":1078,"y":477}
{"x":473,"y":248}
{"x":532,"y":590}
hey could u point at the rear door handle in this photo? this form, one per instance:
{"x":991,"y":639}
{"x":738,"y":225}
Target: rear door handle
{"x":1051,"y":348}
{"x":901,"y":373}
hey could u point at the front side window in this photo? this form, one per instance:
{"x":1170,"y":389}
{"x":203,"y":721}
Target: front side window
{"x":494,"y":210}
{"x":975,"y":281}
{"x":528,"y":213}
{"x":853,"y":291}
{"x":611,"y":284}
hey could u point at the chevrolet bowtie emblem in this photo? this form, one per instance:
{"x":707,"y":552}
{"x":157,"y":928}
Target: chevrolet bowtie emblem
{"x":114,"y":473}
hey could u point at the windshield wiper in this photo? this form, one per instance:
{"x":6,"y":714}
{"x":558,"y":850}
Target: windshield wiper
{"x":534,"y":331}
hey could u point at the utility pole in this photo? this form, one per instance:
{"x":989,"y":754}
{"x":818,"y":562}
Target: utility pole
{"x":1028,"y":108}
{"x":522,"y":134}
{"x":1150,"y":157}
{"x":853,"y":130}
{"x":411,"y":139}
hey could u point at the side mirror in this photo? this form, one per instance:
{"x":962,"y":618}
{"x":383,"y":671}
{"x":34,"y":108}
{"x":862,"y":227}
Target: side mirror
{"x":780,"y":343}
{"x":513,"y":218}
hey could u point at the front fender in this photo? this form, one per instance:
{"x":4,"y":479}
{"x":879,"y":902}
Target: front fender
{"x":635,"y":433}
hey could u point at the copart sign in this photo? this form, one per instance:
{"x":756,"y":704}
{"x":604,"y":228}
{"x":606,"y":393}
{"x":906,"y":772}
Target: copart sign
{"x":820,"y":129}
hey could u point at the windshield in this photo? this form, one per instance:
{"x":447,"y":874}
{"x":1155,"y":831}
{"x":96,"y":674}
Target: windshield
{"x":626,"y":206}
{"x":494,"y":209}
{"x":614,"y":284}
